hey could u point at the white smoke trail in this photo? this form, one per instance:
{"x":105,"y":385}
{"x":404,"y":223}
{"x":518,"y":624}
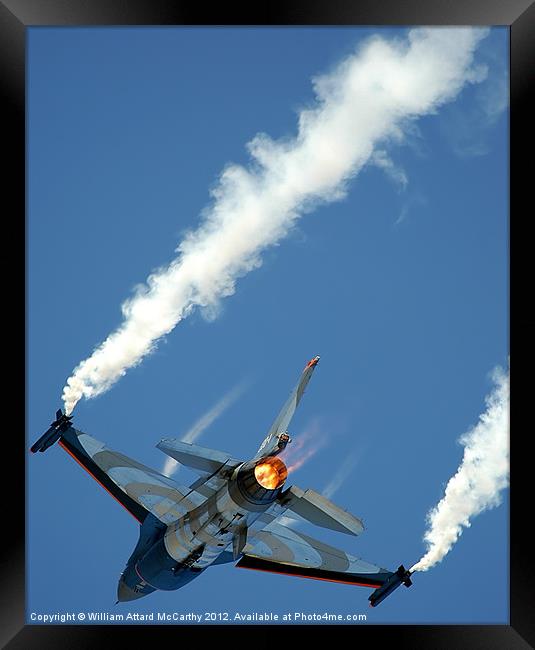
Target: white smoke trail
{"x":208,"y":418}
{"x":483,"y":473}
{"x":382,"y":160}
{"x":368,"y":99}
{"x":341,"y":476}
{"x":304,"y":446}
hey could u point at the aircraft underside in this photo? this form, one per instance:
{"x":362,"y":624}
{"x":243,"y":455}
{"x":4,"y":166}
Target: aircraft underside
{"x":232,"y":513}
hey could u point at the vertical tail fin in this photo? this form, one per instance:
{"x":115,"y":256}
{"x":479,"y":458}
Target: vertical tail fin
{"x":277,"y":438}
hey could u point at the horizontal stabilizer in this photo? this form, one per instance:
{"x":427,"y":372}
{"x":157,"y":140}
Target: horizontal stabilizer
{"x":201,"y":459}
{"x":319,"y":511}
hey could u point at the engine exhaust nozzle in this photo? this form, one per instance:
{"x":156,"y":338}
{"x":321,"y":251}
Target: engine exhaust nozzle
{"x":271,"y":473}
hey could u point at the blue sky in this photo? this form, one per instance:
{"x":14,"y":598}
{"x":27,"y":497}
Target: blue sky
{"x":402,"y":290}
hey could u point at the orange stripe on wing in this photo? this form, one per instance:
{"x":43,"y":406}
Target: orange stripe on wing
{"x":300,"y":575}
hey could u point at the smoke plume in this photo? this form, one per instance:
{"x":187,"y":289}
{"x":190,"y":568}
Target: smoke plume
{"x":343,"y":473}
{"x":208,"y":418}
{"x":367,"y":100}
{"x":483,"y":473}
{"x":304,"y":446}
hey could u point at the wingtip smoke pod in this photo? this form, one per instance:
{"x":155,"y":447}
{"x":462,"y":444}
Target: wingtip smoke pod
{"x":53,"y":433}
{"x":400,"y":577}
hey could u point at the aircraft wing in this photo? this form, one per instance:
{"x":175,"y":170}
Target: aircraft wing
{"x":279,"y":549}
{"x":318,"y":510}
{"x":280,"y":425}
{"x":138,"y":488}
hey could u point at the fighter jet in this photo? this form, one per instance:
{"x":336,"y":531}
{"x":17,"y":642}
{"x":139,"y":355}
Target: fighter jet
{"x":232,"y":513}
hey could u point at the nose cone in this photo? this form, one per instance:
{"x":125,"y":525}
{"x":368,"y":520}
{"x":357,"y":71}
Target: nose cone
{"x":125,"y":593}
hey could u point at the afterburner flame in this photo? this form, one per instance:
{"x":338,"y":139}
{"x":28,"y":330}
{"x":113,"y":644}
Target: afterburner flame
{"x":271,"y":473}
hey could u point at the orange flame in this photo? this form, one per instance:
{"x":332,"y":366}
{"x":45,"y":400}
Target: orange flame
{"x":271,"y":473}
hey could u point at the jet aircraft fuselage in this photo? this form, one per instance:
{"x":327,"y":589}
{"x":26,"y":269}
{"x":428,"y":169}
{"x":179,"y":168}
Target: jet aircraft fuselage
{"x":199,"y":538}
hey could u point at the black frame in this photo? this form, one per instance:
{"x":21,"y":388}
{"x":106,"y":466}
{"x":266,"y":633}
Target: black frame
{"x":15,"y":16}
